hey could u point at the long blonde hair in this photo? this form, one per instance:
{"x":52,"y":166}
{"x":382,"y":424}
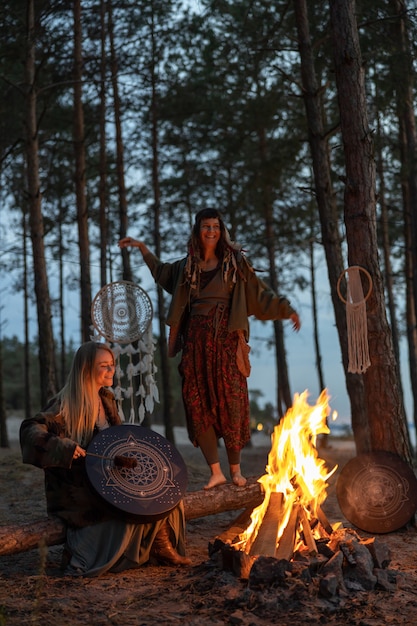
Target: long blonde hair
{"x":79,"y":399}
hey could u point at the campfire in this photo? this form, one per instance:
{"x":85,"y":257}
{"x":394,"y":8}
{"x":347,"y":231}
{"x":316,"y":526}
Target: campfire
{"x":288,"y":534}
{"x":295,"y":485}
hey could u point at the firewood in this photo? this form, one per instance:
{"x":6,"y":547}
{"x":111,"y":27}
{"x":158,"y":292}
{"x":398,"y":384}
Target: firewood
{"x":307,"y":533}
{"x":242,"y":564}
{"x":324,"y":521}
{"x":22,"y":537}
{"x":266,"y":540}
{"x":231,"y":534}
{"x":285,"y":549}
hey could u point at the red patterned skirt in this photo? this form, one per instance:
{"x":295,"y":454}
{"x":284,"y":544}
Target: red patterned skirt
{"x":215,"y":392}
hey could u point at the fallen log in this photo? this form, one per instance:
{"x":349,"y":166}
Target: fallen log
{"x":223,"y":498}
{"x":51,"y":531}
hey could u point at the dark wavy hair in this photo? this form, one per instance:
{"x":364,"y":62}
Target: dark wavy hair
{"x":194,"y":242}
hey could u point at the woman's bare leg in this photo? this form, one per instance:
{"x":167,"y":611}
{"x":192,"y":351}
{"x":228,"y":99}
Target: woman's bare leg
{"x":208,"y":445}
{"x":234,"y":464}
{"x":217,"y":477}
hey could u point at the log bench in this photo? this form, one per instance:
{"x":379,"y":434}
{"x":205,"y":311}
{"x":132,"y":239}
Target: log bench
{"x":51,"y":531}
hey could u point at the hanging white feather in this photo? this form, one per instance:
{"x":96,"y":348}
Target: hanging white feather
{"x":141,"y":413}
{"x":129,"y":392}
{"x":155,"y":393}
{"x":141,"y":391}
{"x":122,"y":314}
{"x":132,"y":416}
{"x":149,"y":404}
{"x":120,"y":411}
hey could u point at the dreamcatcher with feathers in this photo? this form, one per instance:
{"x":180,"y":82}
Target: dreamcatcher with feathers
{"x":121,"y":313}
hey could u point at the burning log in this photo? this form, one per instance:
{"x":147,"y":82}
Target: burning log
{"x":308,"y":533}
{"x":352,"y":563}
{"x":286,"y":544}
{"x":231,"y":535}
{"x":266,"y":540}
{"x":294,"y":487}
{"x":309,"y":549}
{"x":22,"y":537}
{"x":324,"y":521}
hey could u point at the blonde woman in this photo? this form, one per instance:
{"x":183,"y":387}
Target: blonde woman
{"x":99,"y":538}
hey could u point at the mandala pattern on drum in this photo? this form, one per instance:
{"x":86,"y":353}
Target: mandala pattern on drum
{"x":121,"y":312}
{"x":377,"y":492}
{"x":154,"y":486}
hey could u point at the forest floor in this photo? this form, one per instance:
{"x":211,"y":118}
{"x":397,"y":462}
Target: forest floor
{"x":33,"y":590}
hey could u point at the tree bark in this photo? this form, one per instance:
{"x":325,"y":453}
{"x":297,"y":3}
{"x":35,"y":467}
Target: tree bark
{"x":43,"y":303}
{"x":120,"y":165}
{"x":386,"y":253}
{"x":4,"y":439}
{"x":404,"y":82}
{"x":328,"y":212}
{"x":411,"y":318}
{"x":168,"y":411}
{"x":80,"y":177}
{"x":50,"y":532}
{"x":407,"y":136}
{"x":284,"y":396}
{"x":387,"y":426}
{"x":314,"y":308}
{"x":103,"y":191}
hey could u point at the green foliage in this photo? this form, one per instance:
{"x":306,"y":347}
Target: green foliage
{"x":231,"y":130}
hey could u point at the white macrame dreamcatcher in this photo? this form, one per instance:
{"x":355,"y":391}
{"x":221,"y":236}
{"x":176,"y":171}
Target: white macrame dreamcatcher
{"x":121,"y":312}
{"x":357,"y":327}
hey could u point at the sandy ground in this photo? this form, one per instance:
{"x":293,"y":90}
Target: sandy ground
{"x":33,"y":591}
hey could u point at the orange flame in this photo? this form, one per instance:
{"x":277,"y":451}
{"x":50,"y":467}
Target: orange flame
{"x":294,"y":468}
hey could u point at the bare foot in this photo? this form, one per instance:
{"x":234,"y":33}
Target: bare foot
{"x":215,"y":481}
{"x":238,"y":479}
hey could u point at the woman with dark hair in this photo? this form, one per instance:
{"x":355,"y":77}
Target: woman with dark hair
{"x":99,"y":538}
{"x":214,"y":290}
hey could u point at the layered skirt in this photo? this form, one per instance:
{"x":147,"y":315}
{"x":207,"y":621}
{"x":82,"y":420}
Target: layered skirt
{"x":215,"y":392}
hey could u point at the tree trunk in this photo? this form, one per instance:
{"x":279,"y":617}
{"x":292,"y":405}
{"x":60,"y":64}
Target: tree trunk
{"x":327,"y":207}
{"x":315,"y":317}
{"x":120,"y":167}
{"x":165,"y":369}
{"x":80,"y":185}
{"x":284,"y":396}
{"x":102,"y":192}
{"x":387,"y":427}
{"x":14,"y":539}
{"x":325,"y":437}
{"x":4,"y":438}
{"x":43,"y":303}
{"x":62,"y":309}
{"x":404,"y":81}
{"x":386,"y":250}
{"x":28,"y":385}
{"x":411,"y":320}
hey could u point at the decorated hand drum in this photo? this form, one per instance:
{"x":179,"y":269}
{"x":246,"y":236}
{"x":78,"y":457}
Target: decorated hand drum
{"x":154,"y":485}
{"x":377,"y":491}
